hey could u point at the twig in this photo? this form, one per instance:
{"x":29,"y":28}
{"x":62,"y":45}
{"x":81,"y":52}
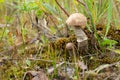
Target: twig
{"x":85,"y":6}
{"x":89,"y":13}
{"x":67,"y":29}
{"x":101,"y":67}
{"x":113,"y":74}
{"x":44,"y":60}
{"x":62,"y":8}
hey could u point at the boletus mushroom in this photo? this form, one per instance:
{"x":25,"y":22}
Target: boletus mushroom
{"x":78,"y":21}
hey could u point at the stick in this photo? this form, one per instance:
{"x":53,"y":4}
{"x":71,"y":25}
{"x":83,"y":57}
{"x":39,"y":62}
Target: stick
{"x":62,"y":8}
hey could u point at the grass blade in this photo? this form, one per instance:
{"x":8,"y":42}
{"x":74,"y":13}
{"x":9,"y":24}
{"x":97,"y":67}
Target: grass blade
{"x":109,"y":16}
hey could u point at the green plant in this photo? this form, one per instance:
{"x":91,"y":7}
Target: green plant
{"x":109,"y":17}
{"x":43,"y":54}
{"x":108,"y":43}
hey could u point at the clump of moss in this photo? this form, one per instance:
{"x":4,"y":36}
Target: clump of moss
{"x":109,"y":60}
{"x":10,"y":70}
{"x":96,"y":60}
{"x":61,"y":42}
{"x":113,"y":33}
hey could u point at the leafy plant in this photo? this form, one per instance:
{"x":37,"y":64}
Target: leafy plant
{"x":28,"y":62}
{"x":107,"y":42}
{"x":28,"y":6}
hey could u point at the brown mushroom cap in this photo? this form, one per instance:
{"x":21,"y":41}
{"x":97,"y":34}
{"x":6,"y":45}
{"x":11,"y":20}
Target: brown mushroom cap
{"x":69,"y":46}
{"x":77,"y":19}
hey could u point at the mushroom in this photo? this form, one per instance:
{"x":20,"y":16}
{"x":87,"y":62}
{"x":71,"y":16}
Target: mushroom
{"x":70,"y":48}
{"x":78,"y":21}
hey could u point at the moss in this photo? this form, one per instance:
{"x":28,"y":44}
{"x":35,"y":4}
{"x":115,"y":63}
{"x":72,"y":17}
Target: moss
{"x":61,"y":42}
{"x":96,"y":61}
{"x":11,"y":71}
{"x":109,"y":60}
{"x":113,"y":33}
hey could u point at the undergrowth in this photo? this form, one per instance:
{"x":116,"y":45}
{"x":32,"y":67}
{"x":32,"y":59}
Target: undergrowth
{"x":33,"y":36}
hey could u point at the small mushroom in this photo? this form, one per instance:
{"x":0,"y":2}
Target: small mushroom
{"x":78,"y":21}
{"x":70,"y":48}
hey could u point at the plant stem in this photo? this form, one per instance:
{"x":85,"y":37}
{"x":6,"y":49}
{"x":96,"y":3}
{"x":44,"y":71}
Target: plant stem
{"x":62,"y":8}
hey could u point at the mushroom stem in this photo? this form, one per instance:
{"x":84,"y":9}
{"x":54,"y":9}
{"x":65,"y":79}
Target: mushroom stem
{"x":82,"y":38}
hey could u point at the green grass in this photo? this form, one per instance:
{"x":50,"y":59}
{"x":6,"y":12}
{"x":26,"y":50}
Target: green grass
{"x":97,"y":12}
